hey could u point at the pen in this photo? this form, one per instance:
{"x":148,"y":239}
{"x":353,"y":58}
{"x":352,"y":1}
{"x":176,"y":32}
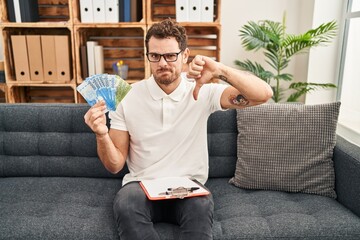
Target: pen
{"x":191,"y":189}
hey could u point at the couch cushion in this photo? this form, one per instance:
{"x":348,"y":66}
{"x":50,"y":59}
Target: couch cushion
{"x":57,"y":208}
{"x":258,"y":214}
{"x":81,"y":208}
{"x":287,"y":147}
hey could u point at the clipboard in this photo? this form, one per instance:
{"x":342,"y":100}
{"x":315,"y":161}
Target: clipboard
{"x":172,"y":188}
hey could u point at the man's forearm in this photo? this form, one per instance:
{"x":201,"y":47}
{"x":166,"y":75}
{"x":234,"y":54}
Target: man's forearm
{"x":110,"y":156}
{"x":251,"y":87}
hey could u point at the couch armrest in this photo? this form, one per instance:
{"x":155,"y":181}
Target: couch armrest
{"x":347,"y":174}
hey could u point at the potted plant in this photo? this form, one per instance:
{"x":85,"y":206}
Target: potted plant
{"x":279,"y":48}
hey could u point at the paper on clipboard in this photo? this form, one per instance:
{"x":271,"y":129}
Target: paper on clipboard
{"x":154,"y":188}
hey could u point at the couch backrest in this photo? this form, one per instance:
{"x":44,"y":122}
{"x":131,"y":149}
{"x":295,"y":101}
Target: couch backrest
{"x":47,"y":140}
{"x":222,"y":143}
{"x":53,"y":140}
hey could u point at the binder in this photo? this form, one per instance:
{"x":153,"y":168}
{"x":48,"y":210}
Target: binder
{"x":121,"y":11}
{"x":99,"y":59}
{"x":49,"y":57}
{"x":21,"y":60}
{"x":133,"y":11}
{"x":90,"y":46}
{"x":86,"y":11}
{"x":195,"y":11}
{"x":207,"y":10}
{"x":35,"y":57}
{"x":139,"y":10}
{"x":11,"y":11}
{"x":84,"y":62}
{"x":182,"y":10}
{"x":29,"y":10}
{"x":99,"y":11}
{"x":127,"y":11}
{"x":161,"y":188}
{"x":111,"y":11}
{"x":17,"y":11}
{"x":62,"y":55}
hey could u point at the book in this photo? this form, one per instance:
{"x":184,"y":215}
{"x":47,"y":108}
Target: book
{"x":91,"y":56}
{"x":172,"y":188}
{"x":99,"y":59}
{"x":84,"y":62}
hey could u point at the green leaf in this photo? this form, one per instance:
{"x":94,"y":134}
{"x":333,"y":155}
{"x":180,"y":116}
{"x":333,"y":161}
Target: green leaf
{"x":295,"y":96}
{"x":286,"y":76}
{"x":300,"y":85}
{"x":302,"y":88}
{"x":324,"y":33}
{"x":314,"y":37}
{"x":253,"y":37}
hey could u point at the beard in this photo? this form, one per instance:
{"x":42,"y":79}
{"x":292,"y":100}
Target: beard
{"x":165,"y":76}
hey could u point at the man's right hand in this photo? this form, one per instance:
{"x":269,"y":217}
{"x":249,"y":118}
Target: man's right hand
{"x":95,"y":118}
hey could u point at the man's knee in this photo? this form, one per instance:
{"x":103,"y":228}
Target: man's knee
{"x":198,"y":208}
{"x":129,"y":200}
{"x":202,"y":205}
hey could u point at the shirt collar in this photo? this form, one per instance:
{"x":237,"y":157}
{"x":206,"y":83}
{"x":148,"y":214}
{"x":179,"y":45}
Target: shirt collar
{"x":157,"y":93}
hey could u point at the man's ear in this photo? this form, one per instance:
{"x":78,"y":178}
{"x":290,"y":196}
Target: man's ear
{"x":186,"y":55}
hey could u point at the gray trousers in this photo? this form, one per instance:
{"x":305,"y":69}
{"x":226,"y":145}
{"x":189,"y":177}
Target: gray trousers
{"x":135,"y":215}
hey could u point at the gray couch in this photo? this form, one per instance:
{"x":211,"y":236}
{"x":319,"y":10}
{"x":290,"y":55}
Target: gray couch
{"x":52,"y":185}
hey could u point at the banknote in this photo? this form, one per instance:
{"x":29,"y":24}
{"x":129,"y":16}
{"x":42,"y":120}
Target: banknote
{"x":110,"y":88}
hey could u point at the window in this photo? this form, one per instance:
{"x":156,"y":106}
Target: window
{"x":349,"y":79}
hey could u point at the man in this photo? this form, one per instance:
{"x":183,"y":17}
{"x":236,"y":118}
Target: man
{"x":159,"y":130}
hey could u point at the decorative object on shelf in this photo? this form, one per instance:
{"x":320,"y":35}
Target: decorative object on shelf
{"x":279,"y":47}
{"x":120,"y":69}
{"x":110,"y":88}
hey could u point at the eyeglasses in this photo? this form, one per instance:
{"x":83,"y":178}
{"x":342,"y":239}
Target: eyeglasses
{"x":169,"y":57}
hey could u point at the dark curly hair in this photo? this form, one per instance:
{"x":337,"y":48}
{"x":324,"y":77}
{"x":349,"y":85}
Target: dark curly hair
{"x":167,"y":28}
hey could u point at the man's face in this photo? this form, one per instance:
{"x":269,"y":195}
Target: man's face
{"x":166,"y":72}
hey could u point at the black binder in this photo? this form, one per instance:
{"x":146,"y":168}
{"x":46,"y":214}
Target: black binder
{"x":11,"y":10}
{"x":29,"y":10}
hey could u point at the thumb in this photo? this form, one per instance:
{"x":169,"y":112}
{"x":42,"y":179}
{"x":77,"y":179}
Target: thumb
{"x":196,"y":90}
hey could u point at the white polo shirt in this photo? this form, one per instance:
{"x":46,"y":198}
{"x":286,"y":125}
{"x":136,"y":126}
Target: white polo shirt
{"x":168,"y":133}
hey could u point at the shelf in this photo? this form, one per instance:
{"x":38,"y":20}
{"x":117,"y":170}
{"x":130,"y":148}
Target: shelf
{"x":9,"y":61}
{"x":49,"y":11}
{"x":120,"y":41}
{"x":125,"y":43}
{"x":40,"y":93}
{"x":37,"y":25}
{"x":3,"y":92}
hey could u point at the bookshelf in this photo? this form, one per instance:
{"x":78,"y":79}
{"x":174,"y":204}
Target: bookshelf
{"x":120,"y":41}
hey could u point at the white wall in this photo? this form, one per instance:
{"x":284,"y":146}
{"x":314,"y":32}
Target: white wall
{"x":324,"y":61}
